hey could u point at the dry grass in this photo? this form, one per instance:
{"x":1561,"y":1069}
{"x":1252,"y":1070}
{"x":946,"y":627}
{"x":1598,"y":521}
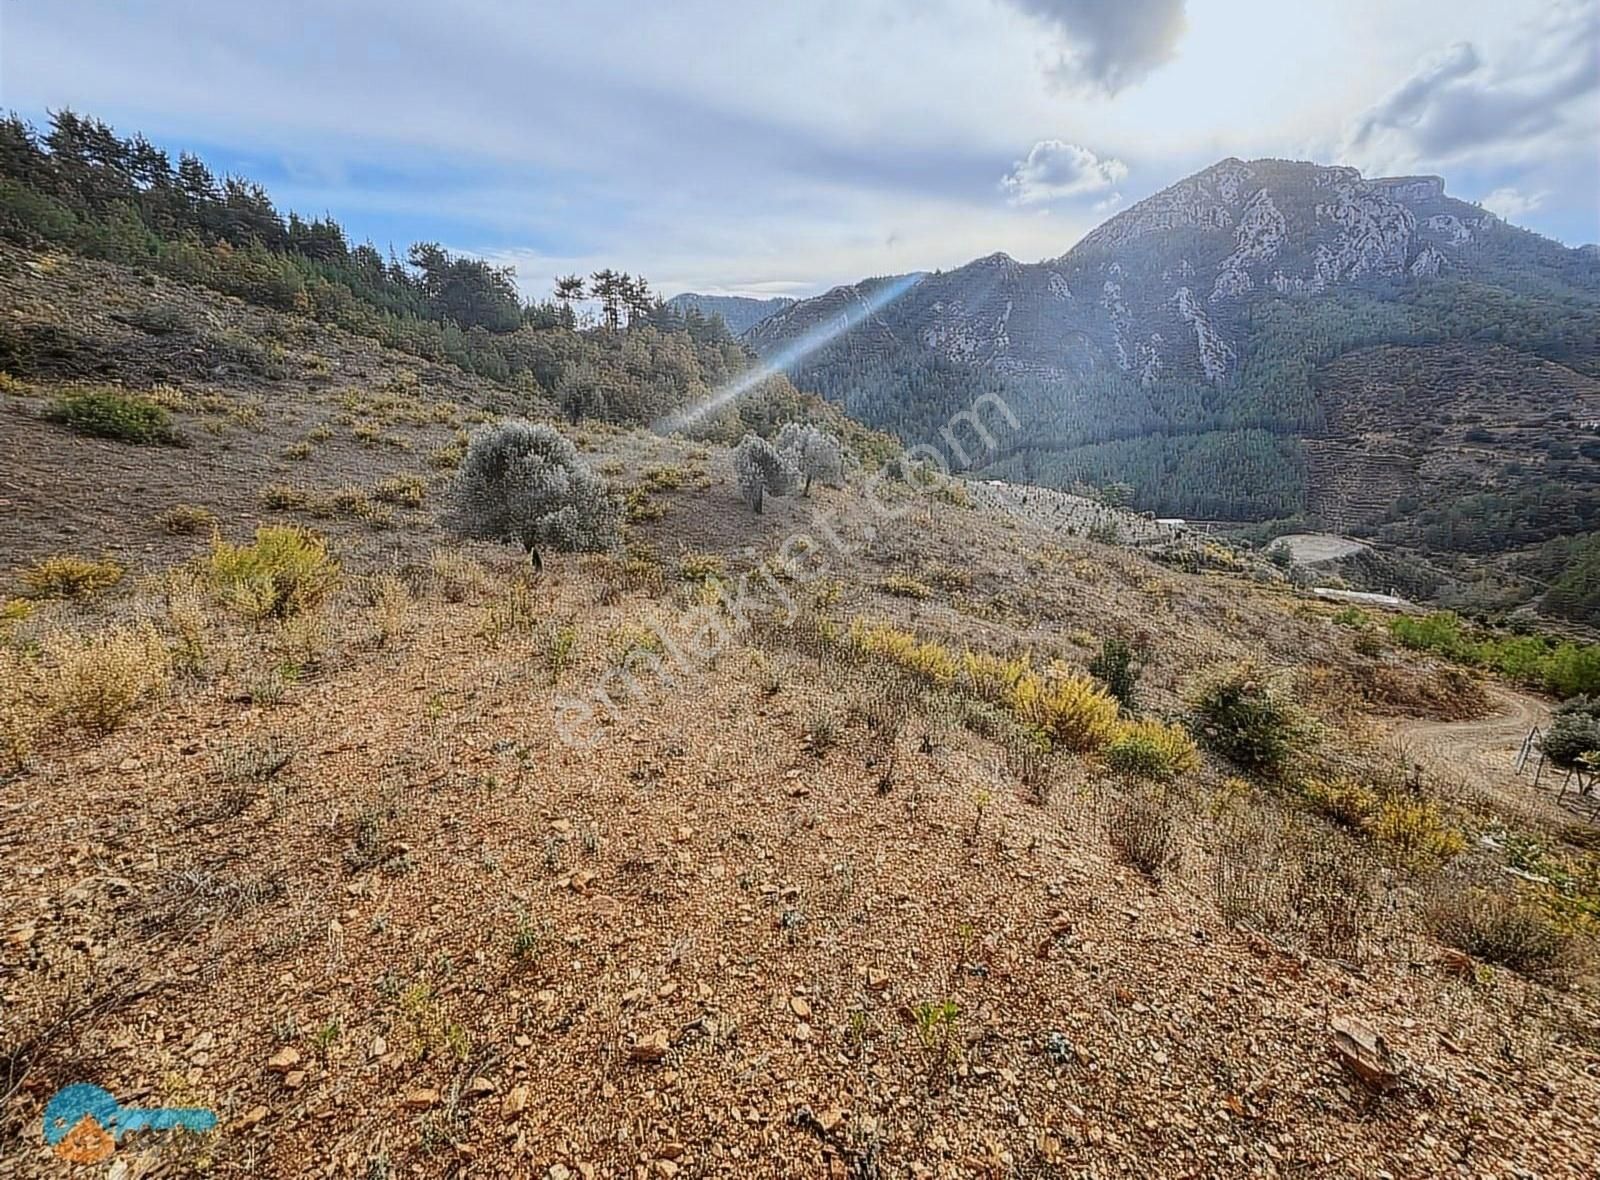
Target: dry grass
{"x":1144,"y":832}
{"x":22,"y":707}
{"x":404,"y":491}
{"x":97,"y":680}
{"x":1070,"y":709}
{"x":391,"y":602}
{"x":1500,"y":926}
{"x":185,"y":520}
{"x":1293,"y":878}
{"x":456,"y":576}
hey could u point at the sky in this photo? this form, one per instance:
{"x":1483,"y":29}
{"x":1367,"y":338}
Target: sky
{"x":765,"y":149}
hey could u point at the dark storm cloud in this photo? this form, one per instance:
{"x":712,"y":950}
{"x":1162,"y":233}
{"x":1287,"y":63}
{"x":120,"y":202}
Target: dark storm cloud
{"x":1110,"y":44}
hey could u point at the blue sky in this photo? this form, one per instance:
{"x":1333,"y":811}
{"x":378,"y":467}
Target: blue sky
{"x":759,"y":148}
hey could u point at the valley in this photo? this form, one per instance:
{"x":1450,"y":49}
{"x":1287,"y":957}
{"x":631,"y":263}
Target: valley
{"x":1369,"y":356}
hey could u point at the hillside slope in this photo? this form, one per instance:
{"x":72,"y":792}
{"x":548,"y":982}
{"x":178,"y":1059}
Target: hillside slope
{"x":797,"y":909}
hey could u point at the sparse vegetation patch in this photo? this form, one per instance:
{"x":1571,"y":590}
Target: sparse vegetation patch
{"x":104,"y":411}
{"x":285,"y":571}
{"x":67,"y":576}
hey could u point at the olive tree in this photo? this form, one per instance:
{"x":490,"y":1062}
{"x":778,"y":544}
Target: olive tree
{"x":1574,"y":733}
{"x":760,"y":471}
{"x":813,"y":452}
{"x":523,"y":483}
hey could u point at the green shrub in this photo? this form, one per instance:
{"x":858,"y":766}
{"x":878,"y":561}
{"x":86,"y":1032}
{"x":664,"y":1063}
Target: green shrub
{"x":1500,"y":927}
{"x":285,"y":571}
{"x":1114,"y":668}
{"x":1152,"y":750}
{"x":760,"y":471}
{"x":1415,"y":831}
{"x":1240,"y":716}
{"x":1343,"y":800}
{"x":104,"y":411}
{"x":66,"y":576}
{"x":701,"y":567}
{"x":1571,"y":738}
{"x":524,"y":483}
{"x":812,"y":451}
{"x":1563,"y":669}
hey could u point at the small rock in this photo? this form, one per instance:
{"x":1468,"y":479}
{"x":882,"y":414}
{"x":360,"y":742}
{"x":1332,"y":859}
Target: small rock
{"x":480,"y":1086}
{"x":652,"y":1047}
{"x":800,"y":1006}
{"x":559,"y":1172}
{"x":284,"y":1059}
{"x":802,"y":1031}
{"x":515,"y":1102}
{"x":378,"y":1048}
{"x":422,"y":1099}
{"x":294,"y":1079}
{"x":1364,"y":1053}
{"x":251,"y":1117}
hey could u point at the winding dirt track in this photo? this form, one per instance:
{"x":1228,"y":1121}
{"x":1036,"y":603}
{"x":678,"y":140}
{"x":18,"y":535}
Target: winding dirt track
{"x":1483,"y":751}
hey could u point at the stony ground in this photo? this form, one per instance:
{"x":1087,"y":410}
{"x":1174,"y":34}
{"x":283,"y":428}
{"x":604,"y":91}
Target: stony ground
{"x":386,"y":922}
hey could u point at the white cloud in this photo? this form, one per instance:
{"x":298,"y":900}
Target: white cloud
{"x":1530,"y":100}
{"x":1055,"y":170}
{"x":1512,"y":204}
{"x":1108,"y":45}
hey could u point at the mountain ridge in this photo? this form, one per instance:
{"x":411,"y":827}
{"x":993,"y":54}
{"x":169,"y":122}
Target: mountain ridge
{"x":739,"y":312}
{"x":1183,"y":347}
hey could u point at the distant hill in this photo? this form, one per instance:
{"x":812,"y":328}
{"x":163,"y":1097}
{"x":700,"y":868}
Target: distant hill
{"x":1263,"y":340}
{"x":739,"y":312}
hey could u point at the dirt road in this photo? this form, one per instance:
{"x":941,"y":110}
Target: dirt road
{"x":1483,"y":752}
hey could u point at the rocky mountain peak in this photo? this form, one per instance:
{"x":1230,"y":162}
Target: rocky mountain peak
{"x":1162,"y":291}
